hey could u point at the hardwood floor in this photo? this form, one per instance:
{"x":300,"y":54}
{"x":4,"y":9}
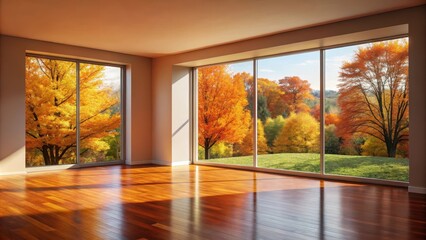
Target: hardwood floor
{"x":201,"y":202}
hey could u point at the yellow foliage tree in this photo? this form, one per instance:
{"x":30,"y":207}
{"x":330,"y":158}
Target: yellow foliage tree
{"x":374,"y":147}
{"x":222,"y":113}
{"x":51,"y":127}
{"x":246,"y":147}
{"x":300,"y":134}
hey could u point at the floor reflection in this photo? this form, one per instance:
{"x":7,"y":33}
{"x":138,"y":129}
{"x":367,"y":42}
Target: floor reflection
{"x":198,"y":202}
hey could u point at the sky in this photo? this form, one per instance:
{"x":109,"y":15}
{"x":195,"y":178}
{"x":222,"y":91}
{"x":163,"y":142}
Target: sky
{"x":305,"y":65}
{"x":112,"y":77}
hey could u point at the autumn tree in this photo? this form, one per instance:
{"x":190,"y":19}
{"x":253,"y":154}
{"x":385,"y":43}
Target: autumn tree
{"x":329,"y":118}
{"x":373,"y":94}
{"x":299,"y":134}
{"x":373,"y":147}
{"x":51,"y":127}
{"x":219,"y":150}
{"x":273,"y":95}
{"x":222,"y":113}
{"x":269,"y":93}
{"x":296,"y":93}
{"x":246,"y":146}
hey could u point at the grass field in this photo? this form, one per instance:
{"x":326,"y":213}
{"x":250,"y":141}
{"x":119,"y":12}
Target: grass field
{"x":359,"y":166}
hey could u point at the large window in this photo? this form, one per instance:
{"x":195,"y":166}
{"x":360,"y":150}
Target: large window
{"x":338,"y":111}
{"x":225,"y":113}
{"x":288,"y":104}
{"x":366,"y":110}
{"x":73,"y":112}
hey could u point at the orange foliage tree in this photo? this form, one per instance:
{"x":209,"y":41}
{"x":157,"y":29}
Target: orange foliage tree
{"x":267,"y":90}
{"x":329,"y":118}
{"x":274,"y":94}
{"x":51,"y":109}
{"x":373,"y":94}
{"x":222,"y":113}
{"x":296,"y":92}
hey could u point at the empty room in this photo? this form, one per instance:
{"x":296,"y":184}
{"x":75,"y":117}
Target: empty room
{"x":227,"y":119}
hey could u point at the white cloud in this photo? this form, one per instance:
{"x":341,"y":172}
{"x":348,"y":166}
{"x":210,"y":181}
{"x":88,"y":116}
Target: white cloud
{"x":309,"y":62}
{"x":266,"y":70}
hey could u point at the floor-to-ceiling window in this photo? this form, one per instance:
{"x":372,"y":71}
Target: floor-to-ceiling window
{"x":339,"y":111}
{"x":73,"y":112}
{"x":288,"y":103}
{"x":225,"y":113}
{"x":366,"y":110}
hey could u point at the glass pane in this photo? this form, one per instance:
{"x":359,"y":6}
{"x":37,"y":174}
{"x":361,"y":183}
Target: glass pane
{"x":50,"y":98}
{"x":366,"y":110}
{"x":100,"y":117}
{"x":288,"y":112}
{"x":225,"y":100}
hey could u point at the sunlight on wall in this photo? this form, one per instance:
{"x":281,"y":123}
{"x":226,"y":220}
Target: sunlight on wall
{"x":11,"y":164}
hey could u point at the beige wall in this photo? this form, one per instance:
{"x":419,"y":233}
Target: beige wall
{"x":169,"y":147}
{"x":12,"y":98}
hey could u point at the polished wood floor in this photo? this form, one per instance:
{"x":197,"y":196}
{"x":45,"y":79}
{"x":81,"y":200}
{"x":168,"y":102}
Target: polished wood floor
{"x":200,"y":202}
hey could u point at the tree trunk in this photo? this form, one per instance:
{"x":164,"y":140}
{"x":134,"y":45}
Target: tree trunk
{"x":206,"y":148}
{"x":46,"y":157}
{"x":49,"y":156}
{"x":391,"y":150}
{"x":206,"y":153}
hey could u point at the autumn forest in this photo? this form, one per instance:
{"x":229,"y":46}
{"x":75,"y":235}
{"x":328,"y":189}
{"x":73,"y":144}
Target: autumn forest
{"x":365,"y":114}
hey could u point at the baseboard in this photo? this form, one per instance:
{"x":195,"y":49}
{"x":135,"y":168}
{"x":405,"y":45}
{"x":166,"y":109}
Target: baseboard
{"x":177,"y":163}
{"x":139,"y":162}
{"x":160,"y":162}
{"x":13,"y":173}
{"x":413,"y":189}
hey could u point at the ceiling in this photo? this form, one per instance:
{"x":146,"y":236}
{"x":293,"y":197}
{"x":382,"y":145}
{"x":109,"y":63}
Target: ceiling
{"x":156,"y":28}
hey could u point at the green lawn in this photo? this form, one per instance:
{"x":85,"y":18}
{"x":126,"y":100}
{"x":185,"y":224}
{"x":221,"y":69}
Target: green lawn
{"x":359,"y":166}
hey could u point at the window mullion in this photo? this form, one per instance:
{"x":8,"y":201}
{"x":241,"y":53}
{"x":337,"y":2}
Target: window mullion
{"x":78,"y":111}
{"x":322,"y":123}
{"x":254,"y":126}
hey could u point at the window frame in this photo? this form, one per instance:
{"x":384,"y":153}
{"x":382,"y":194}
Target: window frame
{"x":322,"y":174}
{"x":77,"y":62}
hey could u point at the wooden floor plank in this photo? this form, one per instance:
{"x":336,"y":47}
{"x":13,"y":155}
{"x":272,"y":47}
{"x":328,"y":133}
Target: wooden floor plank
{"x":202,"y":202}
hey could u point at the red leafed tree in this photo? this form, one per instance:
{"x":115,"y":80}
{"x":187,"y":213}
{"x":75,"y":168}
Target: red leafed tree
{"x":222,"y":101}
{"x":329,"y":118}
{"x":373,"y":94}
{"x":296,"y":91}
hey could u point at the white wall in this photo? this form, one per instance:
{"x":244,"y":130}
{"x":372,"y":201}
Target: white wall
{"x":169,"y":148}
{"x":12,"y":98}
{"x":180,"y":115}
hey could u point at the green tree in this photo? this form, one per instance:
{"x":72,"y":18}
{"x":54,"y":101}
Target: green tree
{"x":332,"y":141}
{"x":272,"y":129}
{"x":262,"y":108}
